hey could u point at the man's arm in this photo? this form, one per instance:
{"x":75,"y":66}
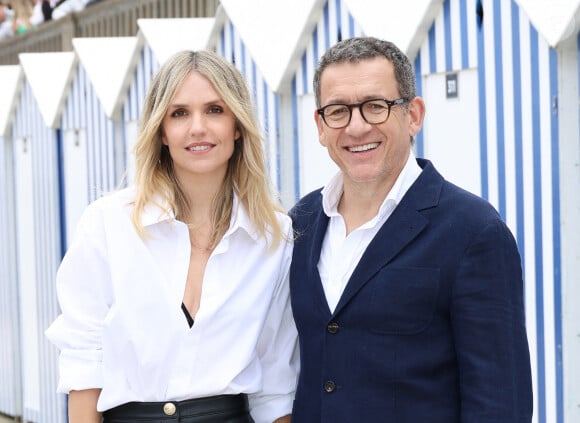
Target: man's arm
{"x":487,"y":314}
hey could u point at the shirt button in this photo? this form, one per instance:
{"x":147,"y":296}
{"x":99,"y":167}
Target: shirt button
{"x":329,"y":386}
{"x":169,"y":408}
{"x":332,"y":327}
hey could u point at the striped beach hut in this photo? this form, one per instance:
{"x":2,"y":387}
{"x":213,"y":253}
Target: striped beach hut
{"x":93,"y":132}
{"x":65,"y":148}
{"x":258,"y":37}
{"x":501,"y":83}
{"x":500,"y":80}
{"x":11,"y":387}
{"x":37,"y":247}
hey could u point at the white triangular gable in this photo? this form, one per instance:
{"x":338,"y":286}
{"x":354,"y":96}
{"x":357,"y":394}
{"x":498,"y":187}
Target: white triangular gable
{"x":109,"y":62}
{"x":49,"y":75}
{"x":11,"y":77}
{"x":168,"y":36}
{"x":273,"y":31}
{"x":556,"y":20}
{"x":404,"y":24}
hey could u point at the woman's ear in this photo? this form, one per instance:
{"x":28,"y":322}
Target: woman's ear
{"x":163,"y":138}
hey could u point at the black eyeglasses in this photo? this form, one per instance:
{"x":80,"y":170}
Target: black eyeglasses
{"x":373,"y":111}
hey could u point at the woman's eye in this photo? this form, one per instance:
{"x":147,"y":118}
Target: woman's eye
{"x":178,"y":113}
{"x":215,"y":109}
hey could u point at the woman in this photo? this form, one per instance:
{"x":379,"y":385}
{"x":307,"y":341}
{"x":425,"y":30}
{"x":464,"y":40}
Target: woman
{"x":174,"y":294}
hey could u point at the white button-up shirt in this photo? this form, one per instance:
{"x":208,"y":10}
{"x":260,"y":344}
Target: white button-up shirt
{"x":340,"y":253}
{"x":122,"y":328}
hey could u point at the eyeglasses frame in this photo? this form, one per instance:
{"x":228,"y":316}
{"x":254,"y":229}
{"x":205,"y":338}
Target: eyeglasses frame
{"x":390,"y":104}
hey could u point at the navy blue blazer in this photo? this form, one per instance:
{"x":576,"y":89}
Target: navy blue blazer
{"x":430,"y":327}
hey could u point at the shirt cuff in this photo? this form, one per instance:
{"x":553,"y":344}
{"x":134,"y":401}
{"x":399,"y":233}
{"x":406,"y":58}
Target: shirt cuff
{"x":80,"y":371}
{"x":267,"y":408}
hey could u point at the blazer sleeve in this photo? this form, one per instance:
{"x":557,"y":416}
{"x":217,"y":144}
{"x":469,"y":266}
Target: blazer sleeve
{"x":487,"y":315}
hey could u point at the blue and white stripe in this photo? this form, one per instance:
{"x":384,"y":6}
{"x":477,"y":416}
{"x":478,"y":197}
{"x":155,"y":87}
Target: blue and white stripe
{"x":131,"y":114}
{"x":85,"y":113}
{"x":39,"y":253}
{"x":519,"y":138}
{"x":143,"y":74}
{"x":335,"y":24}
{"x":266,"y":102}
{"x":10,"y":388}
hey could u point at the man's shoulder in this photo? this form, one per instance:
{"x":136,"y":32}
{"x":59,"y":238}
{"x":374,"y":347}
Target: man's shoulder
{"x":470,"y":203}
{"x":307,"y":209}
{"x":307,"y":206}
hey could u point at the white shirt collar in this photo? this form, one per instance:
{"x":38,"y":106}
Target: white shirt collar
{"x":241,"y":220}
{"x":156,"y":212}
{"x":160,"y":211}
{"x":332,"y":192}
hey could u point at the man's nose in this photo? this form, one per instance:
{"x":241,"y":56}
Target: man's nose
{"x":357,"y":121}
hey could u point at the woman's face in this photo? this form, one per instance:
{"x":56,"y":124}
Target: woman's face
{"x":199,"y":129}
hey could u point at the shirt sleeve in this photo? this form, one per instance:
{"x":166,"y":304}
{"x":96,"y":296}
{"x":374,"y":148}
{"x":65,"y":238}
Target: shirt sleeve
{"x":84,"y":294}
{"x":278,"y":351}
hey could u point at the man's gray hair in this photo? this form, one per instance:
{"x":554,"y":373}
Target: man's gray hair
{"x":353,"y":50}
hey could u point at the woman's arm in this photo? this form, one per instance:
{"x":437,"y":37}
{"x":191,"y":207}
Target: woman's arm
{"x":278,"y":351}
{"x":82,"y":406}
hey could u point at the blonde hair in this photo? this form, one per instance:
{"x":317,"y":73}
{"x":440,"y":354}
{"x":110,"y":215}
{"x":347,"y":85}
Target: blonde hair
{"x":246,"y":173}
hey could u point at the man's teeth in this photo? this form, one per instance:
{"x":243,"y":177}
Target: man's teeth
{"x":363,"y":147}
{"x":199,"y":147}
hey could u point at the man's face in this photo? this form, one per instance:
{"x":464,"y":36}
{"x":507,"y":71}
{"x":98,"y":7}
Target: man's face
{"x":2,"y":13}
{"x":369,"y":154}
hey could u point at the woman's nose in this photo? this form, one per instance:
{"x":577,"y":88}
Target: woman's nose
{"x":197,"y":123}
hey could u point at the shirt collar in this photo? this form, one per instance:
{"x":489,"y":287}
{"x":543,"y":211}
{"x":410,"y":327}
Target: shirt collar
{"x":159,"y":211}
{"x":241,"y":220}
{"x":156,"y":211}
{"x":332,"y":192}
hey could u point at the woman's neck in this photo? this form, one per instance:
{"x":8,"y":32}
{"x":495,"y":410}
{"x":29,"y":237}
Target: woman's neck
{"x":200,"y":192}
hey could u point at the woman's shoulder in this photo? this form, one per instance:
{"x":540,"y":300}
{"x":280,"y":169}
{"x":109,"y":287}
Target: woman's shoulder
{"x":115,"y":202}
{"x":115,"y":199}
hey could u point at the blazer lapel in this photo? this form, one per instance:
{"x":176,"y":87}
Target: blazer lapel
{"x":404,"y":225}
{"x":318,"y":233}
{"x":310,"y":224}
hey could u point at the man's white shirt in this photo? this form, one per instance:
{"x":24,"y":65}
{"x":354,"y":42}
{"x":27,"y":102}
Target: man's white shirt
{"x":341,"y":253}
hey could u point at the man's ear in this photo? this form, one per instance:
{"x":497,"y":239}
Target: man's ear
{"x":320,"y":127}
{"x":416,"y":115}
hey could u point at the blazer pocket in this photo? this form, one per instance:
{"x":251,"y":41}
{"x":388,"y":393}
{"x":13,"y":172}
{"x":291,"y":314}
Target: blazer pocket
{"x":403,"y":300}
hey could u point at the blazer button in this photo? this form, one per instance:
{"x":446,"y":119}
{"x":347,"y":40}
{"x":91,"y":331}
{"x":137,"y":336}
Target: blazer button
{"x":169,"y":408}
{"x":332,"y":327}
{"x":329,"y":386}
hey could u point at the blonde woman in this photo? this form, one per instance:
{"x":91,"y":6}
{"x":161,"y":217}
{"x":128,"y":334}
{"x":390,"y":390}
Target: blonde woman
{"x":174,"y":295}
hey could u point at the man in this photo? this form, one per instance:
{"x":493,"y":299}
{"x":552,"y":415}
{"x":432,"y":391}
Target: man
{"x":407,"y":291}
